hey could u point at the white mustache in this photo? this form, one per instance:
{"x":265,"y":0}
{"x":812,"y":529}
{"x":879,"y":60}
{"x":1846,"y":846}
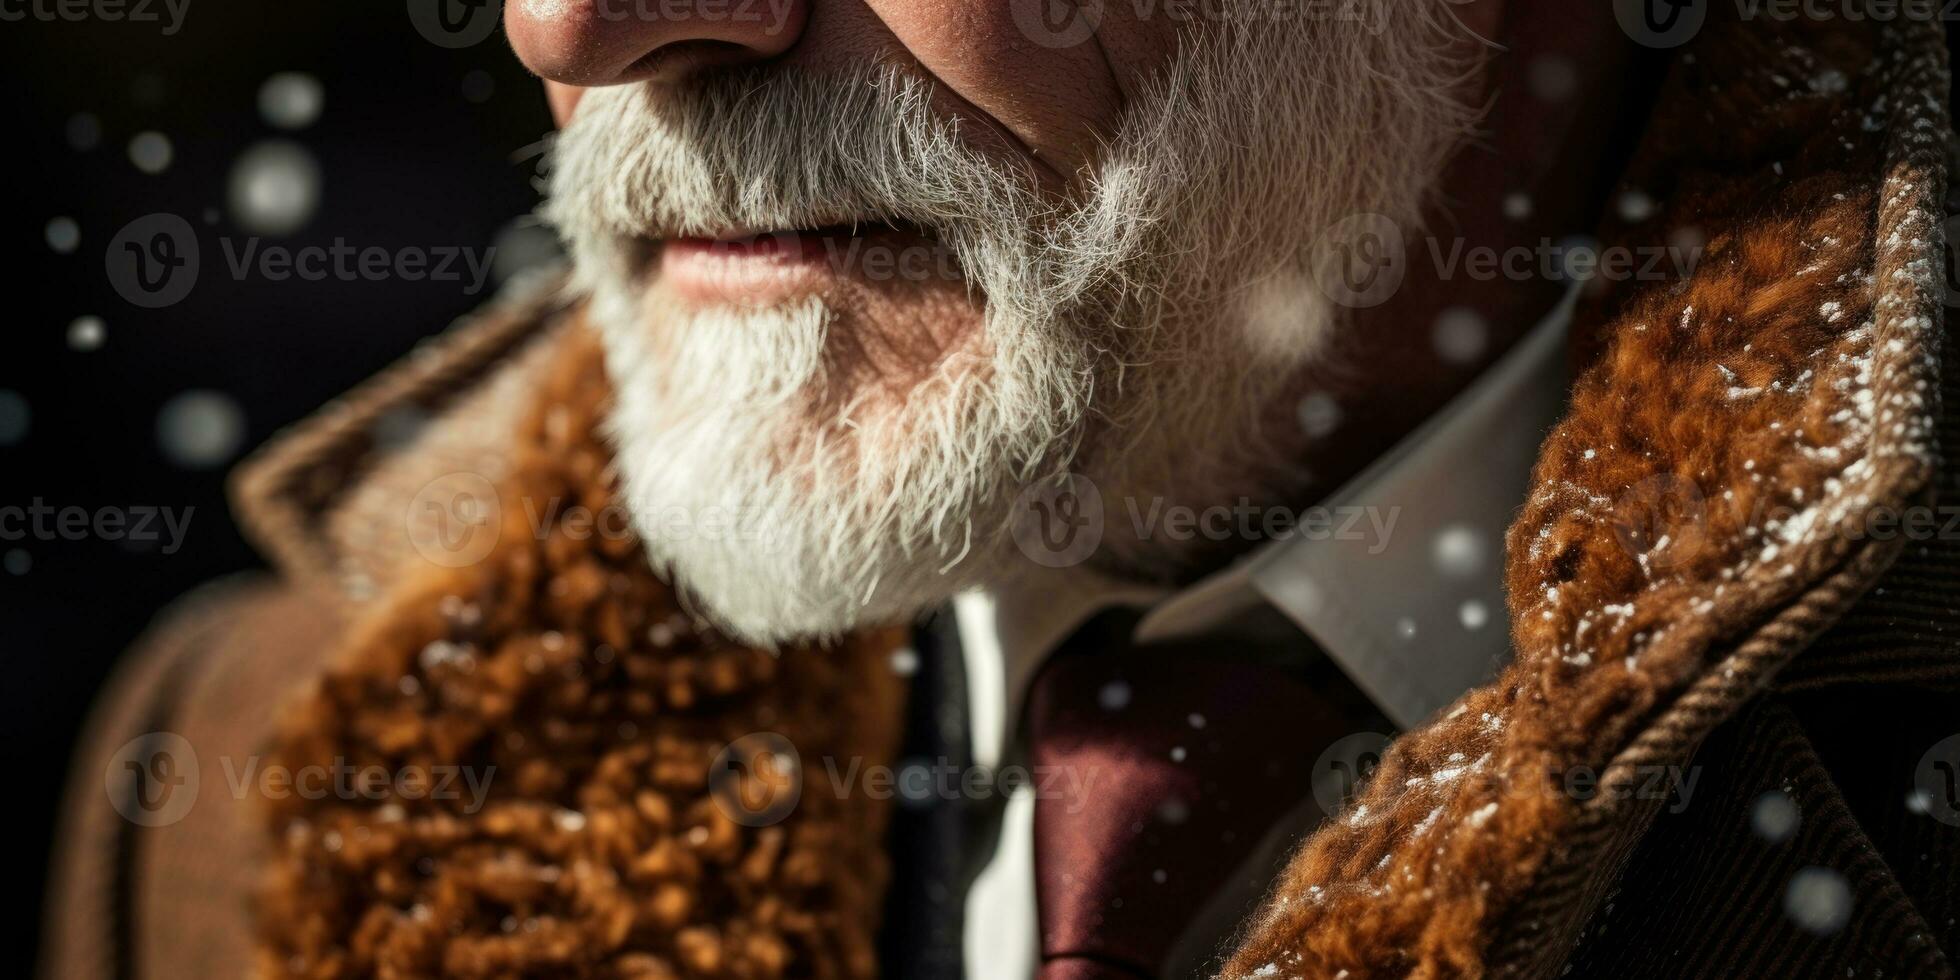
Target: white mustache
{"x":764,"y":149}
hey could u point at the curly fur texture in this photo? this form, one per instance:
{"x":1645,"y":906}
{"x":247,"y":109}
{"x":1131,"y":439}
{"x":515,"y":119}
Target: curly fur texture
{"x":562,"y":672}
{"x":1722,"y":450}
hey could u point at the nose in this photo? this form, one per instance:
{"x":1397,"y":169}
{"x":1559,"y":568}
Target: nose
{"x":589,"y":43}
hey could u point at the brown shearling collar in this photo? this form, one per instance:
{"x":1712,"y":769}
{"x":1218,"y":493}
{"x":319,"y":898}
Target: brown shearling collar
{"x":1694,"y":521}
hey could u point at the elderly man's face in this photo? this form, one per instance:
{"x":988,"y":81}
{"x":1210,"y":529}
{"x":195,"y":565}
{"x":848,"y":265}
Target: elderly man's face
{"x":866,"y":270}
{"x":1032,"y":88}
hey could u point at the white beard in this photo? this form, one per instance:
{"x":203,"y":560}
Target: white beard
{"x":1128,"y":337}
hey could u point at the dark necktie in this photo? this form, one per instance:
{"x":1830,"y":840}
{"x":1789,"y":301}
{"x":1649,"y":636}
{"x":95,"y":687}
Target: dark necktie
{"x":1174,"y":763}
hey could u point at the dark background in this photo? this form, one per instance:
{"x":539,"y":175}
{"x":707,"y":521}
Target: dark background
{"x":417,"y":145}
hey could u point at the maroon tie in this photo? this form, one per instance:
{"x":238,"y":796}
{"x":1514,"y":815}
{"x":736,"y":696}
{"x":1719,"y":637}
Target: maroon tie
{"x":1177,"y":761}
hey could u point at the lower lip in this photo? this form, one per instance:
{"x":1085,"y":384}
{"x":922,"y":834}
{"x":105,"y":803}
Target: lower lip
{"x":759,"y":270}
{"x":764,"y":269}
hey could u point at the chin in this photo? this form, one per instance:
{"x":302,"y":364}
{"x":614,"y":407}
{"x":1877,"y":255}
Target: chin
{"x":796,"y":489}
{"x":796,"y":475}
{"x":836,"y":374}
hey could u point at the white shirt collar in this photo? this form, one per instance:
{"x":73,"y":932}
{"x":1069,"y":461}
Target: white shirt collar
{"x":1402,"y":586}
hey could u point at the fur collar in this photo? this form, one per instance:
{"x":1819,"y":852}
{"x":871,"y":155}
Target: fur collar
{"x":1694,"y":522}
{"x":646,"y":815}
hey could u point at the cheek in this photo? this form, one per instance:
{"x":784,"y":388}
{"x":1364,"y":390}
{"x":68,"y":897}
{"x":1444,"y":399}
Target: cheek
{"x":1055,"y":94}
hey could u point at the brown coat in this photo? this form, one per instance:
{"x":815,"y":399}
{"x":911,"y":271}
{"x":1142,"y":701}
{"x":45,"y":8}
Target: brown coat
{"x":1704,"y":579}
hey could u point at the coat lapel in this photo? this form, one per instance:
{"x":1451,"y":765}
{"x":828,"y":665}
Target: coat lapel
{"x":1697,"y":518}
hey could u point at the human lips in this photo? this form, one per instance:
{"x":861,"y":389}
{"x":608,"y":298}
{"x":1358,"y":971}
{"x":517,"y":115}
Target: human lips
{"x":773,"y":266}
